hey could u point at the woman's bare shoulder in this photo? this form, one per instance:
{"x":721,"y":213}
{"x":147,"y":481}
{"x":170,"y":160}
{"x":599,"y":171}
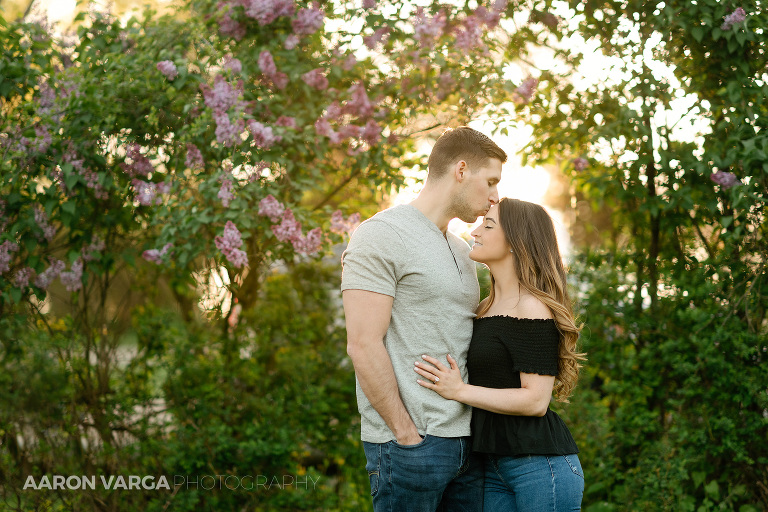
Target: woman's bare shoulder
{"x":531,"y":306}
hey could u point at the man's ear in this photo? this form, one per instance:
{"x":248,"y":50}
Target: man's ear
{"x":460,"y":170}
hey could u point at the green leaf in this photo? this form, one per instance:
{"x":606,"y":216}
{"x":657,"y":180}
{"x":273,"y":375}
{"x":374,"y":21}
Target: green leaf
{"x":71,"y":180}
{"x":69,"y":207}
{"x":698,"y":33}
{"x":712,"y":489}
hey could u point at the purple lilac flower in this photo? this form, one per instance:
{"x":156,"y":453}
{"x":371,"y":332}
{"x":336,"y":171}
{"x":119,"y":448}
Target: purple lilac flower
{"x":309,"y":244}
{"x":371,"y":132}
{"x":350,"y":131}
{"x":49,"y":232}
{"x":229,"y":244}
{"x":234,"y":65}
{"x":227,"y":133}
{"x":349,"y":62}
{"x":225,"y":192}
{"x":308,"y":20}
{"x":333,"y":111}
{"x":733,"y":19}
{"x":267,"y":11}
{"x":45,"y":279}
{"x":267,"y":63}
{"x":93,"y":250}
{"x":6,"y":248}
{"x":73,"y":280}
{"x":3,"y":220}
{"x":43,"y":140}
{"x":168,"y":68}
{"x":229,"y":27}
{"x":156,"y":256}
{"x":428,"y":29}
{"x":194,"y":158}
{"x":46,"y":100}
{"x":378,"y":37}
{"x":324,"y":129}
{"x":316,"y":78}
{"x":359,"y":104}
{"x":271,"y":207}
{"x":164,"y":187}
{"x":140,"y":164}
{"x":526,"y":90}
{"x":280,"y":80}
{"x":148,"y":193}
{"x":286,"y":121}
{"x":445,"y":85}
{"x":341,"y":225}
{"x":256,"y":171}
{"x":262,"y":135}
{"x":579,"y":164}
{"x":22,"y":277}
{"x":70,"y":157}
{"x":369,"y":4}
{"x":289,"y":229}
{"x":223,"y":96}
{"x":145,"y":192}
{"x":291,"y":42}
{"x":491,"y":17}
{"x":725,"y":179}
{"x":470,"y":35}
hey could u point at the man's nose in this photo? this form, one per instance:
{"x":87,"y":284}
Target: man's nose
{"x":494,"y":198}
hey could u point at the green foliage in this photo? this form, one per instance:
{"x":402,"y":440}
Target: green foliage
{"x":672,"y":411}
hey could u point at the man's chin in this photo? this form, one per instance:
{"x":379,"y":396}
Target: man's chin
{"x":470,"y":219}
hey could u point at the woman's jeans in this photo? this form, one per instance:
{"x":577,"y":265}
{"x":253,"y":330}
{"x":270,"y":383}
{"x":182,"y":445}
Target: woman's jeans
{"x":438,"y":474}
{"x":533,"y":483}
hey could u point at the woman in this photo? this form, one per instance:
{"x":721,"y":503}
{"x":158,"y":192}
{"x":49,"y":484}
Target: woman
{"x":523,"y":348}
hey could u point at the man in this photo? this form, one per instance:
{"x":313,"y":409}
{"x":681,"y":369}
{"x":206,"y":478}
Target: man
{"x":409,"y":288}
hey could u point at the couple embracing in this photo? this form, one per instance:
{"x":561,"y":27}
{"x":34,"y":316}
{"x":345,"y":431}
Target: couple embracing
{"x":433,"y":364}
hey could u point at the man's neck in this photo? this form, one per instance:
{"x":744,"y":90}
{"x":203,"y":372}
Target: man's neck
{"x":433,"y":205}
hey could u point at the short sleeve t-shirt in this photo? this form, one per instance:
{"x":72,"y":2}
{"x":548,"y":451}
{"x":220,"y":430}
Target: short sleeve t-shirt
{"x":401,"y":253}
{"x":501,"y":348}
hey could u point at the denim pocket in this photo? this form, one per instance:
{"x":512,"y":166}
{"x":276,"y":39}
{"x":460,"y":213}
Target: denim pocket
{"x":410,"y":446}
{"x":575,"y":464}
{"x":373,"y":464}
{"x":374,"y":477}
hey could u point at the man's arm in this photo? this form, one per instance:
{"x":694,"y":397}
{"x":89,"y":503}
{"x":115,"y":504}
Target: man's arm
{"x":367,"y":317}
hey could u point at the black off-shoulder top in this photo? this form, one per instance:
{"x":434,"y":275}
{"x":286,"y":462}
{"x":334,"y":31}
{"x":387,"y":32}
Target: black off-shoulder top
{"x":501,"y":348}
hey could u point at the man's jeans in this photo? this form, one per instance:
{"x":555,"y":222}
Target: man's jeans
{"x":533,"y":483}
{"x":438,"y":474}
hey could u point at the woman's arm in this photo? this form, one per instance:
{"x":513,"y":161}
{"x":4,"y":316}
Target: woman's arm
{"x":532,"y":399}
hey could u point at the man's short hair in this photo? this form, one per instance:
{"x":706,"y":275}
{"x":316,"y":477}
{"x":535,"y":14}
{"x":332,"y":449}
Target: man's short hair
{"x":462,"y":143}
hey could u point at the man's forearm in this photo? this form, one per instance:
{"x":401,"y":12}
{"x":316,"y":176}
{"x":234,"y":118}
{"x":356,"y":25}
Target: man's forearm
{"x":377,"y":379}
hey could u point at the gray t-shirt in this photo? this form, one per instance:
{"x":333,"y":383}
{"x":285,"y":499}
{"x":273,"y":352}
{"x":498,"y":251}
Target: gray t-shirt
{"x":401,"y":253}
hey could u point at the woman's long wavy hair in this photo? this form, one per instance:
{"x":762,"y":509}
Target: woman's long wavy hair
{"x":530,"y":233}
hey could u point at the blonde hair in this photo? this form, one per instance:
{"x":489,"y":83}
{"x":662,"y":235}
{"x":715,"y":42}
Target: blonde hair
{"x":530,"y":232}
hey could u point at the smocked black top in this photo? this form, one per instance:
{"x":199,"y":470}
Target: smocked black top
{"x":501,"y":348}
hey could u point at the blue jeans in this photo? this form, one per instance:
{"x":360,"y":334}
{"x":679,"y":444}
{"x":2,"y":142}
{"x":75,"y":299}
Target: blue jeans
{"x":438,"y":474}
{"x":533,"y":483}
